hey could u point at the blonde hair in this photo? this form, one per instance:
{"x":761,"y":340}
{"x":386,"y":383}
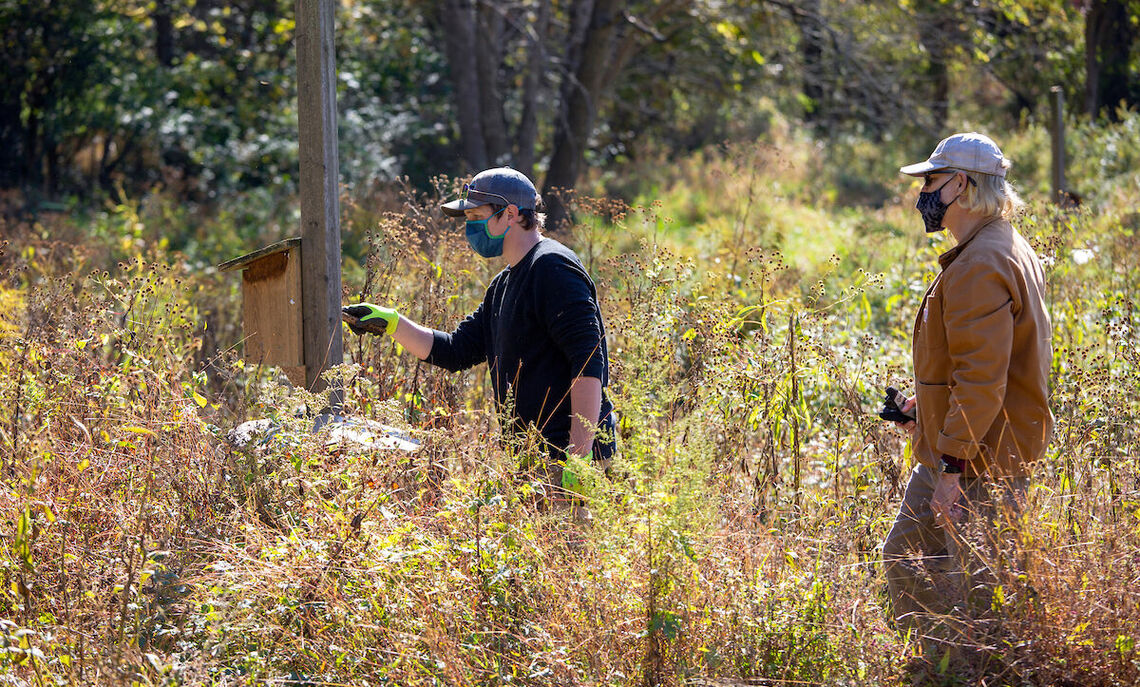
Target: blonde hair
{"x":990,"y":195}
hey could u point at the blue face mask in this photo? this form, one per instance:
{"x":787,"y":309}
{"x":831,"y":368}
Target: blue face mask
{"x":481,"y":240}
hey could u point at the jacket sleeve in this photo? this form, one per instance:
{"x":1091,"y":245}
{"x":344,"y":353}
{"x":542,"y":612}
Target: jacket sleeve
{"x":567,"y":304}
{"x":464,"y":347}
{"x":979,"y":338}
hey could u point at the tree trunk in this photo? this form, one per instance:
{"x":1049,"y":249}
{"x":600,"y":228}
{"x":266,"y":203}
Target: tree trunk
{"x":11,"y":160}
{"x":12,"y":137}
{"x":579,"y":107}
{"x":459,"y":42}
{"x":810,"y":25}
{"x":52,"y":165}
{"x":532,"y":82}
{"x":488,"y":57}
{"x":1108,"y":47}
{"x":163,"y":33}
{"x":32,"y":134}
{"x":579,"y":15}
{"x":936,"y":31}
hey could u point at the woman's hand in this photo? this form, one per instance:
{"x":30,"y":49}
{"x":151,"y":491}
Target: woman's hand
{"x":946,"y":502}
{"x":911,"y":426}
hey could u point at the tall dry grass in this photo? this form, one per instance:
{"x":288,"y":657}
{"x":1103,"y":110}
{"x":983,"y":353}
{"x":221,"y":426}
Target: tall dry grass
{"x":736,"y":543}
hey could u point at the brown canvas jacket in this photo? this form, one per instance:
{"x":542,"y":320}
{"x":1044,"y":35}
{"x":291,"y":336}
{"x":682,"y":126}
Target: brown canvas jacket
{"x":982,"y":354}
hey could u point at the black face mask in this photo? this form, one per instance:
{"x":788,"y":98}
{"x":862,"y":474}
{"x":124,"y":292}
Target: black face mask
{"x":931,"y":207}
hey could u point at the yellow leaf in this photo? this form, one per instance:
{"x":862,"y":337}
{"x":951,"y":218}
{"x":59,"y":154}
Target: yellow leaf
{"x":728,"y":30}
{"x":83,"y":464}
{"x":138,"y":430}
{"x":200,"y":399}
{"x":1077,"y":632}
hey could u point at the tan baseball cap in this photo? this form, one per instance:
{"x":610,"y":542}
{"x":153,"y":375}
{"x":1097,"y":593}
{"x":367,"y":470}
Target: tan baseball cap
{"x":971,"y":152}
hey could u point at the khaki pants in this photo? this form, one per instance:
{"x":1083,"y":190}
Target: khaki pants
{"x":942,"y":579}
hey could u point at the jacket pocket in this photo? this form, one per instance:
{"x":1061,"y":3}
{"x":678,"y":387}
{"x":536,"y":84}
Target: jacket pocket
{"x":930,"y":356}
{"x":933,"y":403}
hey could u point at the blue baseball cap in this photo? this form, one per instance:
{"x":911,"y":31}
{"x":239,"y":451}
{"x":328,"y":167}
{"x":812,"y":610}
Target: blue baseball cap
{"x":498,"y":186}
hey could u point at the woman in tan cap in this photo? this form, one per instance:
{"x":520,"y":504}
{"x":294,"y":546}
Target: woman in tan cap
{"x":981,"y":352}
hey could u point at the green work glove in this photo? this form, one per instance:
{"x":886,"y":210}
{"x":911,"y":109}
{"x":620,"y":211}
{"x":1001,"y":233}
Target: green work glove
{"x":373,"y":319}
{"x":571,"y":473}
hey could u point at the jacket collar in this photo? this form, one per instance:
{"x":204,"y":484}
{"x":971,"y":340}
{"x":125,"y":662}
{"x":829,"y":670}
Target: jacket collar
{"x":949,"y":256}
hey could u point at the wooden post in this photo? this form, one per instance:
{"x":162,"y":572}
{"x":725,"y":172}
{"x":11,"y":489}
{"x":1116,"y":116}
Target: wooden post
{"x":320,"y":185}
{"x":1057,"y":107}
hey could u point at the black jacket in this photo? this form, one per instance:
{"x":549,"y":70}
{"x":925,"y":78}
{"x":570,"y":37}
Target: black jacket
{"x":539,"y":327}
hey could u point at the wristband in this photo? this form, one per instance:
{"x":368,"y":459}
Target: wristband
{"x":952,"y":465}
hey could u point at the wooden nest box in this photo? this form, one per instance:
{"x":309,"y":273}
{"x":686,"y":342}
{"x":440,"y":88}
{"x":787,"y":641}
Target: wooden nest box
{"x":272,"y":323}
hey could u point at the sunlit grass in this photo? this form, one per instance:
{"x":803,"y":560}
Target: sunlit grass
{"x":754,"y":317}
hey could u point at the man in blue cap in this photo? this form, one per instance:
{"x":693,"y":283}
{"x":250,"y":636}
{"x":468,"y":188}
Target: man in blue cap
{"x":539,"y":327}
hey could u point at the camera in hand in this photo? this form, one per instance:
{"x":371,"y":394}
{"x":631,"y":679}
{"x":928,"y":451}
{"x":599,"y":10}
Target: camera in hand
{"x":893,"y":402}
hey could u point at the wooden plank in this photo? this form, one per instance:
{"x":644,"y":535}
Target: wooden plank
{"x":279,"y":247}
{"x":320,"y":209}
{"x":269,"y":266}
{"x":271,"y":311}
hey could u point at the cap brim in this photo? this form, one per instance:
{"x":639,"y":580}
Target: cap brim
{"x":456,"y":207}
{"x":920,"y":168}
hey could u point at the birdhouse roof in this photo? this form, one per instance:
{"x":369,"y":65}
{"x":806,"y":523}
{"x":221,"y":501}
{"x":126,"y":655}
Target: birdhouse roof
{"x":249,"y":258}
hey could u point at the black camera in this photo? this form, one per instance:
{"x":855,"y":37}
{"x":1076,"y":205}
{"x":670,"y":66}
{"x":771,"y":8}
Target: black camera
{"x":892,"y":410}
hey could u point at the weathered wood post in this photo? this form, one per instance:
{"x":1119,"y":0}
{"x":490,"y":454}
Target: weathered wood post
{"x":320,"y":205}
{"x":1057,"y":112}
